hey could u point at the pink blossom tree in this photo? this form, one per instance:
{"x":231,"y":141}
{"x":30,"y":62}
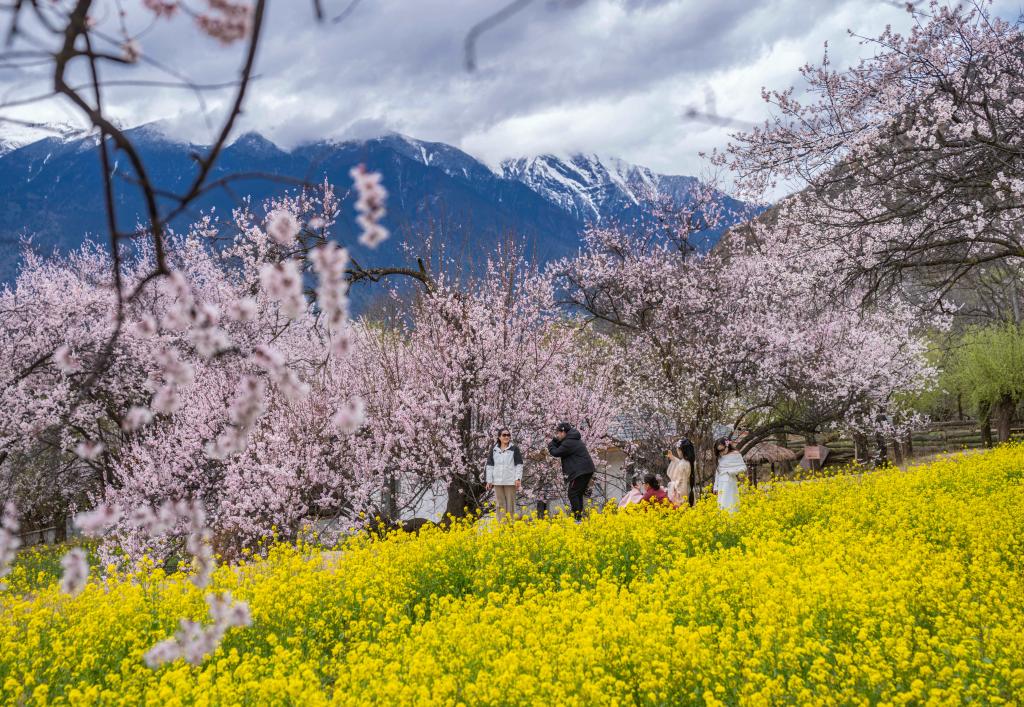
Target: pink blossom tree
{"x":470,"y":358}
{"x":221,"y":366}
{"x":738,"y":336}
{"x":229,"y":388}
{"x":906,"y":167}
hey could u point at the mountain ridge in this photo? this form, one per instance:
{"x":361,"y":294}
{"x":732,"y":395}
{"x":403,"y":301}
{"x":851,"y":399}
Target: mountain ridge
{"x":51,"y":189}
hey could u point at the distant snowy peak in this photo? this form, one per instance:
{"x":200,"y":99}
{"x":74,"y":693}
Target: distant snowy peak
{"x":14,"y":136}
{"x":57,"y":135}
{"x":590,"y":186}
{"x":159,"y":132}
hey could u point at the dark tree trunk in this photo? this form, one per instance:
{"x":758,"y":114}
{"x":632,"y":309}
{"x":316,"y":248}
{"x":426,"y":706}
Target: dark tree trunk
{"x":465,"y":494}
{"x":882,"y":454}
{"x":391,"y":499}
{"x":705,"y":465}
{"x":908,"y":447}
{"x":860,"y":448}
{"x":986,"y":426}
{"x":463,"y":497}
{"x":897,"y":452}
{"x":1004,"y":417}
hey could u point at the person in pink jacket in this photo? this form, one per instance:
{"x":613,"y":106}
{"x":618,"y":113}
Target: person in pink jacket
{"x":634,"y":495}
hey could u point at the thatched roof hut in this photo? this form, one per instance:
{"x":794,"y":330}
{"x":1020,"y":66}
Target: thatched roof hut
{"x":768,"y":453}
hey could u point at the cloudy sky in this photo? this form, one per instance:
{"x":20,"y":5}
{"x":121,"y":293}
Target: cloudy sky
{"x":614,"y":77}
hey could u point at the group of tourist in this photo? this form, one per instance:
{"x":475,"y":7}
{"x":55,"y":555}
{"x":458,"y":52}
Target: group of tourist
{"x":504,"y":473}
{"x":647,"y":489}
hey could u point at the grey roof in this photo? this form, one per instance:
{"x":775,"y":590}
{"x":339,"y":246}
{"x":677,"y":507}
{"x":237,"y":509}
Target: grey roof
{"x":630,"y":427}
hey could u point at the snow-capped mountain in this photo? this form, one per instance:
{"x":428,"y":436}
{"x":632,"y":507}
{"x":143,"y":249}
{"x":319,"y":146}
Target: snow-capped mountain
{"x":590,"y":187}
{"x":17,"y":135}
{"x":51,"y":191}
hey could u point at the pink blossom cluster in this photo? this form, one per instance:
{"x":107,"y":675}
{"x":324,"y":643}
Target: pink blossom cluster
{"x":330,"y":263}
{"x":742,"y":336}
{"x":160,"y":519}
{"x":874,"y":158}
{"x":468,"y":359}
{"x":159,"y":404}
{"x":162,"y":8}
{"x":89,"y":449}
{"x":136,"y":418}
{"x":193,"y":641}
{"x":307,"y":413}
{"x":9,"y":540}
{"x":246,"y":409}
{"x":370,"y":205}
{"x":76,"y":571}
{"x":166,"y":518}
{"x":200,"y":320}
{"x":285,"y":378}
{"x":199,"y":545}
{"x":283,"y":227}
{"x":66,"y":361}
{"x":131,"y":50}
{"x":349,"y":417}
{"x":94,"y":523}
{"x":282,"y":282}
{"x":243,"y":309}
{"x":227,"y":21}
{"x":175,"y":373}
{"x":146,"y":327}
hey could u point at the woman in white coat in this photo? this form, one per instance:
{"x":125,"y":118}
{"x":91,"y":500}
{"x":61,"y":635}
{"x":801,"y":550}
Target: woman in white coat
{"x":730,"y":465}
{"x":504,"y":474}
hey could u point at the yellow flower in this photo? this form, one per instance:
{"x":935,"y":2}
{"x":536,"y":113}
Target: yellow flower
{"x":863,"y":588}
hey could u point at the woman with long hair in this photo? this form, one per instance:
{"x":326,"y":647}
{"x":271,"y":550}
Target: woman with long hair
{"x":680,"y":472}
{"x":504,"y":474}
{"x":730,"y":465}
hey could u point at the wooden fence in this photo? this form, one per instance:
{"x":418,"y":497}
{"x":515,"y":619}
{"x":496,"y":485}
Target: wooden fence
{"x":936,"y":438}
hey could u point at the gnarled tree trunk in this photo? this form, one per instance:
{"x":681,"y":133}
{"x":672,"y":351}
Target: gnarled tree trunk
{"x":463,"y":497}
{"x":1003,"y":411}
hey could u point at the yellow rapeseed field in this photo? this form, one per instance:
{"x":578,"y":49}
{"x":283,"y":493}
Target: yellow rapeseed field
{"x":889,"y":587}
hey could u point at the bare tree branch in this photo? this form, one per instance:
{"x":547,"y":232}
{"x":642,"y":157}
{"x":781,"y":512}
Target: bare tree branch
{"x":488,"y":23}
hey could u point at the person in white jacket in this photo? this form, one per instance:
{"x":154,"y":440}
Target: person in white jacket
{"x":730,"y":465}
{"x":504,"y":474}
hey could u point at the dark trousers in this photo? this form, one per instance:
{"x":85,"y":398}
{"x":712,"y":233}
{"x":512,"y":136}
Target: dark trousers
{"x":577,"y":489}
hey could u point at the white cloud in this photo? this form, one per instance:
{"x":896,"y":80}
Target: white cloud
{"x":605,"y":76}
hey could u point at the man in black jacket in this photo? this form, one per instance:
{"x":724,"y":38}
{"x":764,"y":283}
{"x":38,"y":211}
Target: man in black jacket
{"x":577,"y":466}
